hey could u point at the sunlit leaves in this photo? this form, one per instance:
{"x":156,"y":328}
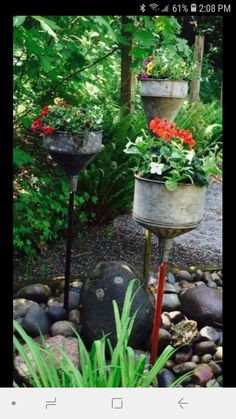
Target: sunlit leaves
{"x":18,"y":20}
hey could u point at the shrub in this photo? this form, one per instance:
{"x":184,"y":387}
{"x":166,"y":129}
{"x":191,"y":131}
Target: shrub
{"x":205,"y":123}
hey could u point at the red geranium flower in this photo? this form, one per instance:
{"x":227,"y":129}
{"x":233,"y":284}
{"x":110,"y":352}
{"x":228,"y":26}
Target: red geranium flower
{"x":44,"y":111}
{"x":166,"y":129}
{"x":36,"y":124}
{"x":47,"y":130}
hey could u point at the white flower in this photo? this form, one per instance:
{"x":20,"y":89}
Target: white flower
{"x":139,"y":140}
{"x":156,"y":168}
{"x":190,"y":155}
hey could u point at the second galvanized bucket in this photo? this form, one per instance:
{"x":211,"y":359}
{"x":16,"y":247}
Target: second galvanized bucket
{"x":167,"y":213}
{"x":163,"y":98}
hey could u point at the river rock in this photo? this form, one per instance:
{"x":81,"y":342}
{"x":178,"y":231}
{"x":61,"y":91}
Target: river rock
{"x":109,"y":281}
{"x":182,"y":357}
{"x":21,"y":306}
{"x":74,"y":298}
{"x":196,"y":359}
{"x":74,"y":316}
{"x":202,"y":304}
{"x":209,"y":333}
{"x":185,"y":284}
{"x":35,"y":292}
{"x":169,"y":289}
{"x":207,"y":347}
{"x":207,"y":276}
{"x":55,"y":345}
{"x":183,"y":275}
{"x":202,"y":374}
{"x":212,"y":383}
{"x":220,"y":340}
{"x":200,"y":284}
{"x":171,"y":278}
{"x":63,"y":328}
{"x":166,"y":378}
{"x":216,"y":368}
{"x":171,"y":302}
{"x":36,"y":319}
{"x":56,"y":313}
{"x":164,"y":340}
{"x":206,"y":358}
{"x":165,"y":321}
{"x":198,"y":275}
{"x":183,"y":368}
{"x":219,"y":354}
{"x":176,"y":316}
{"x":211,"y":284}
{"x":54,"y":301}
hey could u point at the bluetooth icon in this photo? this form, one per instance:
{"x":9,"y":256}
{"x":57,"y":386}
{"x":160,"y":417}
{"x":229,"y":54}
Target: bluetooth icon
{"x":142,"y":8}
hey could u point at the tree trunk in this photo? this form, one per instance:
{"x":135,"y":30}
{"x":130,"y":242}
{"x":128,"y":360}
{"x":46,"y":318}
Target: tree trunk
{"x":126,"y":91}
{"x":198,"y":54}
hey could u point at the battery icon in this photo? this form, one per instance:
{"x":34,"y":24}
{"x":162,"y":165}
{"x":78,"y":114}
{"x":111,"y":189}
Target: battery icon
{"x":193,"y":7}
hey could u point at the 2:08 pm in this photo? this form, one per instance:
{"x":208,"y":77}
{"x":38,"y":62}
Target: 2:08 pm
{"x":207,"y":8}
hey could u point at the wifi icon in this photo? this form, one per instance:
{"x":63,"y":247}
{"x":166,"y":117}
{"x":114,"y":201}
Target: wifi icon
{"x":153,"y":6}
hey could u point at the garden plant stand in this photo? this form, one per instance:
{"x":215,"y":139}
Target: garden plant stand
{"x":73,"y":152}
{"x":164,"y":213}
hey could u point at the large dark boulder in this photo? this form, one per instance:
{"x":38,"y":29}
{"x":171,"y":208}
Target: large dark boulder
{"x":109,"y":281}
{"x":204,"y":305}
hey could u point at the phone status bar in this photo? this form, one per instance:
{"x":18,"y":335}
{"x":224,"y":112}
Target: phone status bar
{"x":185,"y":8}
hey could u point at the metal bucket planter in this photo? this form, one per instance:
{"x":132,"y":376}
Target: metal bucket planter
{"x":167,"y":213}
{"x":73,"y":152}
{"x":163,"y":98}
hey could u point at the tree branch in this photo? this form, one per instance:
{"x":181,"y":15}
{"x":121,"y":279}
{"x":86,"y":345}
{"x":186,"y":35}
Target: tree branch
{"x":84,"y":68}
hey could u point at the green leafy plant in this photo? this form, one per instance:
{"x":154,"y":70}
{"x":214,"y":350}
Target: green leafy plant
{"x":205,"y":123}
{"x":167,"y":63}
{"x":96,"y":370}
{"x":169,"y":157}
{"x":64,"y":117}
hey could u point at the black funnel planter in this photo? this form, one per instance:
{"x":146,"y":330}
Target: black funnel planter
{"x":73,"y":152}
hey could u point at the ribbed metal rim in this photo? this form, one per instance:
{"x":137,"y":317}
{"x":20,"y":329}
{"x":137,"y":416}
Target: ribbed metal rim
{"x":166,"y":226}
{"x":164,"y":80}
{"x":75,"y":133}
{"x":163,"y":183}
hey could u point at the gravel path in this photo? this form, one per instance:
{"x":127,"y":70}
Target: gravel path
{"x":124,"y":240}
{"x":200,"y":246}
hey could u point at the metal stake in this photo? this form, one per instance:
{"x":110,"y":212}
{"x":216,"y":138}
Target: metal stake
{"x":70,"y":225}
{"x":147,"y":254}
{"x":165,"y":246}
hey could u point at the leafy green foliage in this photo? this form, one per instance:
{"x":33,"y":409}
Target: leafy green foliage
{"x":120,"y":369}
{"x":40,"y":208}
{"x":171,"y":162}
{"x":205,"y":123}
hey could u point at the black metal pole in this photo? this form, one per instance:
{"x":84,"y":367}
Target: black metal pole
{"x":68,"y":248}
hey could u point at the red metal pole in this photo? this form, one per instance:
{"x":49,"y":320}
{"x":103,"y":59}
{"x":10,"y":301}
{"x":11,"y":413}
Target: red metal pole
{"x":157,"y":314}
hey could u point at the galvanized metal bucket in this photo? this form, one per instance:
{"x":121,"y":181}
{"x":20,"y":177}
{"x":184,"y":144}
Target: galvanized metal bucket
{"x":167,"y":213}
{"x":73,"y":151}
{"x":163,"y":98}
{"x":81,"y":143}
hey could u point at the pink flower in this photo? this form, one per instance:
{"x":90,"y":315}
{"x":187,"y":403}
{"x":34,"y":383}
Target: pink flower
{"x":145,"y":62}
{"x":144,"y":76}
